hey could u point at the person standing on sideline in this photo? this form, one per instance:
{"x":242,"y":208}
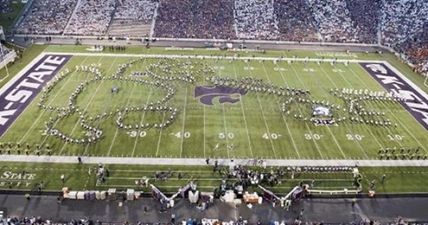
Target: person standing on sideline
{"x":383,"y":178}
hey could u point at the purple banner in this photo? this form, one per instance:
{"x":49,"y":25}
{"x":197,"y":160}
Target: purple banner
{"x":23,"y":90}
{"x":416,"y":101}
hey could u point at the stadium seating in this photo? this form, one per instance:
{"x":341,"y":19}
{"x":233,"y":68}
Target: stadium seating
{"x":5,"y":6}
{"x":400,"y":24}
{"x":295,"y":21}
{"x":195,"y":19}
{"x":91,"y":17}
{"x":47,"y":17}
{"x":255,"y":19}
{"x":132,"y":18}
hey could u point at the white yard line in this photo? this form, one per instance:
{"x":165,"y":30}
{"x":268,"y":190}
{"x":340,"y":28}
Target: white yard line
{"x":204,"y":133}
{"x":49,"y":104}
{"x":184,"y":122}
{"x":283,"y":119}
{"x":56,"y":122}
{"x":307,"y":127}
{"x":328,"y":128}
{"x":225,"y":132}
{"x":387,"y":128}
{"x":397,"y":119}
{"x":117,"y":128}
{"x":241,"y":102}
{"x":160,"y":136}
{"x":142,"y":120}
{"x":87,"y":106}
{"x":345,"y":124}
{"x":226,"y":135}
{"x":201,"y":161}
{"x":264,"y":120}
{"x":267,"y":128}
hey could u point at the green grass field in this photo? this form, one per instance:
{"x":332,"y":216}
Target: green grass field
{"x":254,"y":127}
{"x":398,"y":180}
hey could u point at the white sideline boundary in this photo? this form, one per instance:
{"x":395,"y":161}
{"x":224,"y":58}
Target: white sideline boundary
{"x":201,"y":161}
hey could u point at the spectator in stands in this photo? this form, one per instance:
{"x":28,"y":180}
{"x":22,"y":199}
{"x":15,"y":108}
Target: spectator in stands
{"x":47,"y":17}
{"x":91,"y":17}
{"x":255,"y":19}
{"x":195,"y":19}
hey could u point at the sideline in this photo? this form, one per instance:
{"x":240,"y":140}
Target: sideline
{"x":201,"y":161}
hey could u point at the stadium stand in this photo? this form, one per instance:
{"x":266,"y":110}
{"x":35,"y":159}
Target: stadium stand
{"x":366,"y":17}
{"x":133,"y":18}
{"x":5,"y":6}
{"x":255,"y":19}
{"x":47,"y":17}
{"x":416,"y":50}
{"x":402,"y":19}
{"x":399,"y":24}
{"x":295,"y":21}
{"x":91,"y":17}
{"x":195,"y":19}
{"x":333,"y":20}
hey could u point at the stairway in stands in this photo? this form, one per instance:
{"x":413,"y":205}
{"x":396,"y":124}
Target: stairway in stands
{"x":129,"y":28}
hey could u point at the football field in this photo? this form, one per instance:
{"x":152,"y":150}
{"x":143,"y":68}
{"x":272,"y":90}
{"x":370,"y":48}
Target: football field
{"x":215,"y":107}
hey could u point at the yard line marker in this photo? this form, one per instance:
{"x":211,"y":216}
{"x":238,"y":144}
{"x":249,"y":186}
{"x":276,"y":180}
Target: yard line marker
{"x":56,"y":122}
{"x":328,"y":128}
{"x":160,"y":135}
{"x":49,"y":104}
{"x":184,"y":121}
{"x":225,"y":132}
{"x":358,"y":77}
{"x":346,"y":126}
{"x":99,"y":121}
{"x":284,"y":120}
{"x":241,"y":102}
{"x":402,"y":124}
{"x":142,"y":119}
{"x":267,"y":128}
{"x":87,"y":106}
{"x":204,"y":132}
{"x":225,"y":127}
{"x":307,"y":127}
{"x":117,"y":128}
{"x":264,"y":118}
{"x":370,"y":131}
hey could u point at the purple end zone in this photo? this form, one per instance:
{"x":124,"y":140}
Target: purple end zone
{"x":416,"y":103}
{"x":18,"y":95}
{"x":224,"y":94}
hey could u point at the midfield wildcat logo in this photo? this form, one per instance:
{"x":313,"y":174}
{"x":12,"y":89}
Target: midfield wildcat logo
{"x":207,"y":94}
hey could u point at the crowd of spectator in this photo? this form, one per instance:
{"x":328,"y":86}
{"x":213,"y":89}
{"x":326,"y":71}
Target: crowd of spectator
{"x":401,"y":19}
{"x":295,"y":20}
{"x":142,"y":10}
{"x":366,"y":17}
{"x":91,"y":17}
{"x":400,"y":24}
{"x":5,"y":6}
{"x":195,"y":19}
{"x":333,"y":20}
{"x":47,"y":17}
{"x":416,"y":50}
{"x":255,"y":19}
{"x":404,"y":28}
